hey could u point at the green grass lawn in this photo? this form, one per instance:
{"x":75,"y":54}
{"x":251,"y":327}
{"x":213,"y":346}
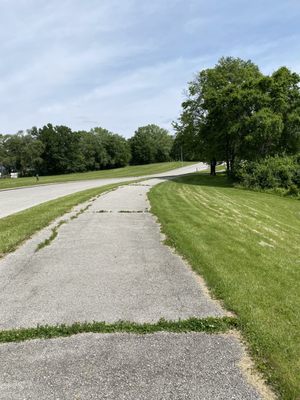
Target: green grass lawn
{"x":17,"y":228}
{"x":246,"y":246}
{"x":130,"y":171}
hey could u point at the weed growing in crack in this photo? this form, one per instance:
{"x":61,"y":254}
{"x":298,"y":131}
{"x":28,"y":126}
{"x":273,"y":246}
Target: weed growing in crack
{"x":53,"y":235}
{"x":208,"y":325}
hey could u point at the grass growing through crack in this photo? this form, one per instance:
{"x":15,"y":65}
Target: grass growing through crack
{"x":47,"y":241}
{"x":53,"y":235}
{"x":17,"y":228}
{"x":208,"y":325}
{"x":246,"y":246}
{"x":130,"y":171}
{"x":54,"y":230}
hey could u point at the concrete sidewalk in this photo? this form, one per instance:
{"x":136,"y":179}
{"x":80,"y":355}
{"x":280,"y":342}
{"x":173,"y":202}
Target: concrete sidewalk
{"x":109,"y":264}
{"x":162,"y":366}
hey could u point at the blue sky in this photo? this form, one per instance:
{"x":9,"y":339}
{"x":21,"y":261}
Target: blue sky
{"x":123,"y":64}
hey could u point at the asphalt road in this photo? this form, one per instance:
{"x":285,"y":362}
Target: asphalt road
{"x":15,"y":200}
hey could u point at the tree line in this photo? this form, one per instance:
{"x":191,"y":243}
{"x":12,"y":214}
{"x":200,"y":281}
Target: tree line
{"x":235,"y":113}
{"x":57,"y":149}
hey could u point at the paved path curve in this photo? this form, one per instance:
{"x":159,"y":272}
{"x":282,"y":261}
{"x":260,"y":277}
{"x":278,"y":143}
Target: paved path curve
{"x":15,"y":200}
{"x":109,"y":263}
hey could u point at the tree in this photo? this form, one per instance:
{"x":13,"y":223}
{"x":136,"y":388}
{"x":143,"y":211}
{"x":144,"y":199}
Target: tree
{"x":186,"y":145}
{"x":234,"y":112}
{"x":285,"y":101}
{"x":61,"y":152}
{"x":3,"y":151}
{"x":21,"y":152}
{"x":151,"y":144}
{"x":115,"y":149}
{"x":89,"y":150}
{"x":56,"y":149}
{"x":219,"y":100}
{"x":262,"y":133}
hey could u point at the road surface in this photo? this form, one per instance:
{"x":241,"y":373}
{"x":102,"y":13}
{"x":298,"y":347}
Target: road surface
{"x":15,"y":200}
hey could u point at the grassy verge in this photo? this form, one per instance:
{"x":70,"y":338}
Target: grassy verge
{"x":246,"y":246}
{"x":19,"y":227}
{"x":130,"y":171}
{"x":208,"y":325}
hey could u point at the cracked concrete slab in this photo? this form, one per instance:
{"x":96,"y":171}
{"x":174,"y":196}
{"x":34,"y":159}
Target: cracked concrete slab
{"x":162,"y":366}
{"x":105,"y":267}
{"x":127,"y":198}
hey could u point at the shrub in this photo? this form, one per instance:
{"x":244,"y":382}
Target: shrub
{"x":271,"y":173}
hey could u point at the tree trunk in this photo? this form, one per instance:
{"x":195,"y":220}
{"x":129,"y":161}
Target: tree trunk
{"x":227,"y":166}
{"x":232,"y":164}
{"x":213,"y":164}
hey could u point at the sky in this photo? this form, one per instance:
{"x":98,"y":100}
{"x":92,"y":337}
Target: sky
{"x":124,"y":64}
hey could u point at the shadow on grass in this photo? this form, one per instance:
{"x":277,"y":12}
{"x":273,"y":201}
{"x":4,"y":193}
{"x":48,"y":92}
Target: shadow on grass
{"x":203,"y":179}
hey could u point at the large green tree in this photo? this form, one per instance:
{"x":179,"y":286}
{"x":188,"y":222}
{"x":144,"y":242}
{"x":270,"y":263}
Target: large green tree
{"x":234,"y":112}
{"x":61,"y":152}
{"x":21,"y":152}
{"x":115,"y":149}
{"x":93,"y":149}
{"x":151,"y":144}
{"x":285,"y":101}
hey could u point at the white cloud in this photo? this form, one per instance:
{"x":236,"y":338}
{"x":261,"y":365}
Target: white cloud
{"x":149,"y":94}
{"x":121,"y":64}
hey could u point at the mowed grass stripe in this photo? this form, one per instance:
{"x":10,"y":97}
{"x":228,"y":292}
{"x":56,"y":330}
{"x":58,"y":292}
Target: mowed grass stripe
{"x":208,"y":325}
{"x":17,"y":228}
{"x":246,"y":217}
{"x":246,"y":246}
